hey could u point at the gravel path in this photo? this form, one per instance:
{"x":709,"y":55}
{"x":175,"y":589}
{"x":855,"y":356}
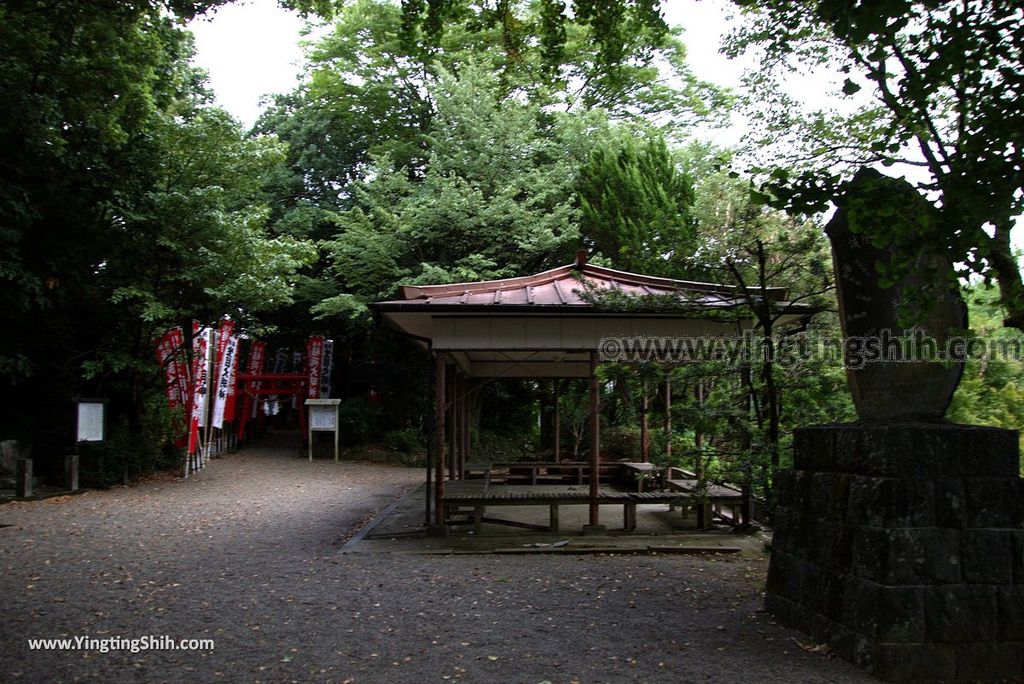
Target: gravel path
{"x":247,"y":553}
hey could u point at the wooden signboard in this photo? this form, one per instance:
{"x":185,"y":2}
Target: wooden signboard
{"x":323,"y":417}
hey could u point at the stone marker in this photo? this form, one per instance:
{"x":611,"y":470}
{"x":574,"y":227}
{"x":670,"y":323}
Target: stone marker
{"x":71,"y":472}
{"x":892,"y":390}
{"x":899,"y":540}
{"x":23,"y":478}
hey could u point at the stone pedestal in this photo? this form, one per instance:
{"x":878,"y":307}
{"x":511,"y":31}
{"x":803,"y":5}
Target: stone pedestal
{"x":902,"y":546}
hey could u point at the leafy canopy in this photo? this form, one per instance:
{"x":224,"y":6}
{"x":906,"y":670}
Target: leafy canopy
{"x":636,"y":205}
{"x":944,"y":86}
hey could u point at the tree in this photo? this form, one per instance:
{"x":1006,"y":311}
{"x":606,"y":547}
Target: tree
{"x":991,"y":391}
{"x":945,"y":84}
{"x":635,"y":206}
{"x":495,"y":199}
{"x":754,"y":247}
{"x":129,"y":203}
{"x":367,"y":93}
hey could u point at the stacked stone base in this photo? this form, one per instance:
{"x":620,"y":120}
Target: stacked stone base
{"x":902,"y":546}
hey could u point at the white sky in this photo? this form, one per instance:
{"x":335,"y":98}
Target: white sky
{"x":251,"y":49}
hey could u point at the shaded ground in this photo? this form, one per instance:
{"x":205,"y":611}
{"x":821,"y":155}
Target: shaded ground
{"x":248,"y":553}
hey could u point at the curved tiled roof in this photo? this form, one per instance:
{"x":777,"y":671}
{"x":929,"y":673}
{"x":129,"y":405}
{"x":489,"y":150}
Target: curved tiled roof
{"x":567,"y":286}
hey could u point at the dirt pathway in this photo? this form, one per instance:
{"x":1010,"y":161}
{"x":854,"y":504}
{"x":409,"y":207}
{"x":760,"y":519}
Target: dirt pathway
{"x":247,"y":553}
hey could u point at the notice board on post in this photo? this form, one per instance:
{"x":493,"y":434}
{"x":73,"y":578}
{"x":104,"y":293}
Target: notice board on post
{"x":323,"y":417}
{"x":90,"y":420}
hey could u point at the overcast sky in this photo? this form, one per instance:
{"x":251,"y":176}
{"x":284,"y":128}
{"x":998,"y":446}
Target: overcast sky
{"x":251,"y":49}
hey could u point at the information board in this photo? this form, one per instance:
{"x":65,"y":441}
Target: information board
{"x":91,"y":421}
{"x":323,"y":418}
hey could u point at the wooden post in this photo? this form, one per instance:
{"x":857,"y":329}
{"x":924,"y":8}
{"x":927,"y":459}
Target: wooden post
{"x":439,"y":424}
{"x":556,"y":428}
{"x":466,"y":406}
{"x":460,"y":423}
{"x":453,"y":418}
{"x":645,"y":439}
{"x":595,"y":440}
{"x":668,"y":420}
{"x":698,"y":436}
{"x":466,"y":423}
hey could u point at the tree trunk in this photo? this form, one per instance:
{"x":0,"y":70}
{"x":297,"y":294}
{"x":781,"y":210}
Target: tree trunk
{"x":1008,"y":277}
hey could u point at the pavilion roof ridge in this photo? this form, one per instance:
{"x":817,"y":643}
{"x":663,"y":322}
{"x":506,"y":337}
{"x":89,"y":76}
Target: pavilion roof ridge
{"x":596,"y":275}
{"x":643,"y":281}
{"x":446,"y":290}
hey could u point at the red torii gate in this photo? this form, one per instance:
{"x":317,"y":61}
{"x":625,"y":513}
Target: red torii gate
{"x":280,"y":384}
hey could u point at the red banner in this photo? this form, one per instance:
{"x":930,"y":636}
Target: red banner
{"x":314,"y":359}
{"x":168,"y":350}
{"x":257,"y":357}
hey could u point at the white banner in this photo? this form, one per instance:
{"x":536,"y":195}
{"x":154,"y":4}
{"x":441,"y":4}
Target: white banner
{"x":225,"y":380}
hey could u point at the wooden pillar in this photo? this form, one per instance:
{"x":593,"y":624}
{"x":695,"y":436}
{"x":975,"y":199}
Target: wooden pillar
{"x":698,"y":436}
{"x":460,"y":409}
{"x":595,"y":440}
{"x":645,"y":438}
{"x":556,"y":427}
{"x":466,"y":422}
{"x":440,"y":394}
{"x":668,"y":420}
{"x":453,"y":423}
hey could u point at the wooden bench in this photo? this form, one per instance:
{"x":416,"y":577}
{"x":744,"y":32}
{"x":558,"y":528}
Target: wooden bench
{"x":636,"y":474}
{"x":714,"y":498}
{"x":540,"y":472}
{"x":479,"y":498}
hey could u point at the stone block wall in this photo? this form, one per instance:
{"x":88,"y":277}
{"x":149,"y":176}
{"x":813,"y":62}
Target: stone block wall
{"x":902,"y":546}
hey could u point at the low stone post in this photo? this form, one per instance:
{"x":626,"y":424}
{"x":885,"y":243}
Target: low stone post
{"x":23,"y":478}
{"x":71,"y":472}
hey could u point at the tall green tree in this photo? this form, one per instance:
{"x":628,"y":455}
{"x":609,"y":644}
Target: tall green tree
{"x":367,"y":90}
{"x":128,"y":204}
{"x":494,"y":201}
{"x":635,"y":206}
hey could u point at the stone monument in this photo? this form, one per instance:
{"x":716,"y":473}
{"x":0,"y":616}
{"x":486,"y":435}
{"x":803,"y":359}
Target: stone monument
{"x":899,"y":539}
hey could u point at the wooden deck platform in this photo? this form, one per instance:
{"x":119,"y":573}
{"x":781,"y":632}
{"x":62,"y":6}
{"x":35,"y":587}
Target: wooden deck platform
{"x":477,"y":496}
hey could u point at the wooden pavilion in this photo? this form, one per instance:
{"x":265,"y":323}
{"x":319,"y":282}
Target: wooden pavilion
{"x":549,"y":325}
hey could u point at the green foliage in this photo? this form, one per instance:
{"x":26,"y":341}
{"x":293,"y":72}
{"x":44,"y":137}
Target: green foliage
{"x":945,"y":84}
{"x":636,"y":206}
{"x":498,"y":446}
{"x":368,"y":93}
{"x":358,"y":420}
{"x":621,"y":441}
{"x":404,"y":441}
{"x":130,"y":205}
{"x":991,"y":391}
{"x":494,"y":201}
